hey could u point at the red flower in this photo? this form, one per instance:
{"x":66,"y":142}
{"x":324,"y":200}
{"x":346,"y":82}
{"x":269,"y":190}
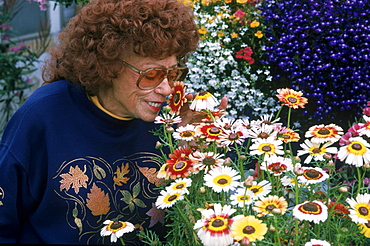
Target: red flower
{"x":338,"y":210}
{"x":179,"y":165}
{"x":246,"y":54}
{"x":177,"y":99}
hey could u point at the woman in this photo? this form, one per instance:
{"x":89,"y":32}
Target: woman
{"x":79,"y":152}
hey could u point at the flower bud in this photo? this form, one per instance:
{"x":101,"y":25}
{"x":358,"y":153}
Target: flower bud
{"x":276,"y":211}
{"x":296,"y":158}
{"x":367,"y":165}
{"x":242,"y":157}
{"x":328,"y":156}
{"x":331,"y":164}
{"x":202,"y":190}
{"x":245,"y":242}
{"x":249,"y":181}
{"x":158,"y":145}
{"x":170,"y":129}
{"x":344,"y":189}
{"x":227,"y":161}
{"x":272,"y":228}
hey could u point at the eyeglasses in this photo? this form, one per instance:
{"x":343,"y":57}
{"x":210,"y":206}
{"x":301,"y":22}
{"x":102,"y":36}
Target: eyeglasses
{"x":152,"y":77}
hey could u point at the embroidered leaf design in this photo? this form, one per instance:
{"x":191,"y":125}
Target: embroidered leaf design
{"x":97,"y":201}
{"x":127,"y":198}
{"x":75,"y":178}
{"x":132,"y":200}
{"x":151,"y":175}
{"x":119,"y":179}
{"x":156,"y":215}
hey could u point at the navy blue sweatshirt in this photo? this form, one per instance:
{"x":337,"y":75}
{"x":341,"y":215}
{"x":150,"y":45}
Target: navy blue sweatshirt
{"x":66,"y":167}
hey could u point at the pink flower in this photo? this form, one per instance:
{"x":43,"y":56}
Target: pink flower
{"x":239,"y":13}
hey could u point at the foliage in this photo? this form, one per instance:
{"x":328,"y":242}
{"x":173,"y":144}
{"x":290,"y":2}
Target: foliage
{"x":322,"y":48}
{"x":227,"y":61}
{"x":228,"y":177}
{"x":16,"y":61}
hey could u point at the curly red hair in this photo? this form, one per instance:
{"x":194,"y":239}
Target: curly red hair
{"x":89,"y":47}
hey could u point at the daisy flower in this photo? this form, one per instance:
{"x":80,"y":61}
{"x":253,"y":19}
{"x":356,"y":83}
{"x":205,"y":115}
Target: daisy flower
{"x":167,"y":119}
{"x":268,"y":205}
{"x":210,"y":131}
{"x":248,"y":228}
{"x":267,"y":147}
{"x":230,"y":137}
{"x":242,"y":197}
{"x":177,"y":98}
{"x":186,"y":133}
{"x":360,"y":208}
{"x":204,"y":101}
{"x":267,"y":119}
{"x":324,"y":133}
{"x":213,"y":229}
{"x":314,"y":211}
{"x":264,"y":131}
{"x":180,"y":185}
{"x":290,"y":181}
{"x":116,"y":229}
{"x":287,"y":135}
{"x":365,"y":129}
{"x":222,"y":178}
{"x":291,"y":98}
{"x":168,"y":198}
{"x":277,"y":165}
{"x":179,"y":164}
{"x":207,"y":161}
{"x":315,"y":151}
{"x":356,"y":152}
{"x":260,"y":189}
{"x":316,"y":242}
{"x":312,"y":175}
{"x":365,"y":229}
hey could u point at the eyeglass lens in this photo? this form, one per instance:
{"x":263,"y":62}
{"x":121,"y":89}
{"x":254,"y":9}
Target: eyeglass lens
{"x":152,"y":78}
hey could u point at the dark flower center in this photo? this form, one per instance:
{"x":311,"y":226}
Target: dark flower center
{"x":172,"y":198}
{"x":248,"y":230}
{"x":168,"y":121}
{"x":176,"y":98}
{"x":323,"y":131}
{"x":356,"y":146}
{"x":202,"y":93}
{"x":254,"y":190}
{"x":116,"y":225}
{"x":180,"y":165}
{"x":179,"y":186}
{"x":277,"y":168}
{"x":270,"y":207}
{"x":292,"y":99}
{"x":311,"y":207}
{"x":222,"y":181}
{"x":187,"y":134}
{"x":313,"y":174}
{"x":316,"y":150}
{"x":263,"y":135}
{"x":233,"y":136}
{"x":218,"y":223}
{"x":209,"y":161}
{"x":363,"y":211}
{"x":214,"y":130}
{"x":266,"y":148}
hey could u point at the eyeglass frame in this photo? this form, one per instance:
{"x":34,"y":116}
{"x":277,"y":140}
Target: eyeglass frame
{"x":168,"y":70}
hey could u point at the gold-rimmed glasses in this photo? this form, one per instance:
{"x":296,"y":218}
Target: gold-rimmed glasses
{"x":152,"y":77}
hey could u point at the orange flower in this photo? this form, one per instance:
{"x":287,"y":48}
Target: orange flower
{"x":177,"y":99}
{"x":292,"y":98}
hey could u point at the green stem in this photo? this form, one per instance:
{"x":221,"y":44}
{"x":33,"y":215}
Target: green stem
{"x":122,"y":242}
{"x":359,"y":180}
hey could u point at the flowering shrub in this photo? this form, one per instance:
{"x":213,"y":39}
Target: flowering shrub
{"x":227,"y":61}
{"x":322,"y":48}
{"x":16,"y":61}
{"x":238,"y":182}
